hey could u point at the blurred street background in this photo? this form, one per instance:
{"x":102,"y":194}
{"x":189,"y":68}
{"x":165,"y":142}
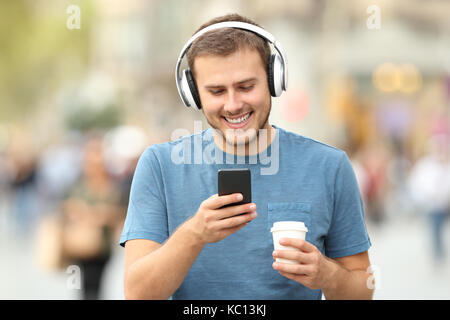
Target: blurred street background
{"x":86,"y":86}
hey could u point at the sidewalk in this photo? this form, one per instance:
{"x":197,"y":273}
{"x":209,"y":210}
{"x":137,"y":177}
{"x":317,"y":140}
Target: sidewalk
{"x":401,"y":252}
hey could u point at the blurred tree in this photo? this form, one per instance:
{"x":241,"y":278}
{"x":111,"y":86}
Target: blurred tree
{"x":86,"y":118}
{"x":38,"y":53}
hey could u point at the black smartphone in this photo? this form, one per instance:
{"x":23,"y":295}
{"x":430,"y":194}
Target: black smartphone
{"x":235,"y":181}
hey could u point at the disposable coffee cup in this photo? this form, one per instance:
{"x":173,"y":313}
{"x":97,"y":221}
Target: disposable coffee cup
{"x":287,"y":229}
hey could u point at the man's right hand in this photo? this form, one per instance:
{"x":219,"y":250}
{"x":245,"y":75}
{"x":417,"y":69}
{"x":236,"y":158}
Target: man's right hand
{"x":149,"y":269}
{"x":212,"y":223}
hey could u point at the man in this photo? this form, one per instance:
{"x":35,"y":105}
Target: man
{"x":180,"y":243}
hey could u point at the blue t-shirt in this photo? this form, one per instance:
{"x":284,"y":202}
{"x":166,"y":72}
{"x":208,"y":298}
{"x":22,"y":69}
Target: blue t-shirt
{"x":295,"y":178}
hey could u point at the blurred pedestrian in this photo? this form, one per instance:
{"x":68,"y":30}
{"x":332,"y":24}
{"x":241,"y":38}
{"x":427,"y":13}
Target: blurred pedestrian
{"x":22,"y":166}
{"x":429,"y":184}
{"x":92,"y":214}
{"x":59,"y":168}
{"x":123,"y":146}
{"x":374,"y":160}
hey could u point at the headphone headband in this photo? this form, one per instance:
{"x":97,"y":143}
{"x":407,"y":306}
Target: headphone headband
{"x":237,"y":25}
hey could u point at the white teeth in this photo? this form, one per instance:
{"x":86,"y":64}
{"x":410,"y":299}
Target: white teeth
{"x":239,"y":120}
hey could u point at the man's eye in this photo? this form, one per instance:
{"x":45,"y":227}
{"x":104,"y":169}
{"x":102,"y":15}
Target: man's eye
{"x":216,"y":92}
{"x":247,"y":88}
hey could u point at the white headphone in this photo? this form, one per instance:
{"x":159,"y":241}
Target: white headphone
{"x":276,"y":70}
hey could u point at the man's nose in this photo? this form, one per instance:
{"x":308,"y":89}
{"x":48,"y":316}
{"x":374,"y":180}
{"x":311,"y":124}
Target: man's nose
{"x":234,"y":104}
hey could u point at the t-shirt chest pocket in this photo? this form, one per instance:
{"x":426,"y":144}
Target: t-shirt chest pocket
{"x":289,"y":211}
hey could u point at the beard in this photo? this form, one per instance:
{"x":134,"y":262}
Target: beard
{"x":239,"y":137}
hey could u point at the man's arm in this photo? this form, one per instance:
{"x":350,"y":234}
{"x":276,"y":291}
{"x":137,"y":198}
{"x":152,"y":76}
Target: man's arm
{"x":340,"y":278}
{"x":349,"y":278}
{"x":155,"y":271}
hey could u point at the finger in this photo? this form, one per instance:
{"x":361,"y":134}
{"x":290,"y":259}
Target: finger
{"x":235,"y":210}
{"x":216,"y":201}
{"x":298,"y":256}
{"x":232,"y":230}
{"x":226,"y":232}
{"x":300,"y":269}
{"x":296,"y":277}
{"x":234,"y":221}
{"x":300,"y":244}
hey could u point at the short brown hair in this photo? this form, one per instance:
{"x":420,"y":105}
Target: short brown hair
{"x":226,"y":41}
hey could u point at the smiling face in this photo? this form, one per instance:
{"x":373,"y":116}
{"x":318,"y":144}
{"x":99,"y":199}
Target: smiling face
{"x":234,"y":95}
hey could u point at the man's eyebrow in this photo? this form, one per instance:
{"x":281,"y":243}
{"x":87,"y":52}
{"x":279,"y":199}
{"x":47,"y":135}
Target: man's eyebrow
{"x":214,"y":86}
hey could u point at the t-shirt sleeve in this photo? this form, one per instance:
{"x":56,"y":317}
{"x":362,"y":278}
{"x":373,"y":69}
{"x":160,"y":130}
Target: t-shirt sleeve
{"x":146,"y":215}
{"x":347,"y":234}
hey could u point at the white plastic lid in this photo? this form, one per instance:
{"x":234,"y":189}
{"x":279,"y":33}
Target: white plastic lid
{"x":288,"y":225}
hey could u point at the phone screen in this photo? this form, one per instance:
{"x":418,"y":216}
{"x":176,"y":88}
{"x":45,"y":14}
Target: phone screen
{"x":235,"y":181}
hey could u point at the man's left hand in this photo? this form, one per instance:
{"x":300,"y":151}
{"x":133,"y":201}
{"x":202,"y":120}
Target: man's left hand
{"x":312,"y":269}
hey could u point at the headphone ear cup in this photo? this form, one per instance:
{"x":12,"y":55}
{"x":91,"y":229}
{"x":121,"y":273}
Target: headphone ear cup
{"x":189,"y":90}
{"x":277,"y":75}
{"x":193,"y":88}
{"x":270,"y":75}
